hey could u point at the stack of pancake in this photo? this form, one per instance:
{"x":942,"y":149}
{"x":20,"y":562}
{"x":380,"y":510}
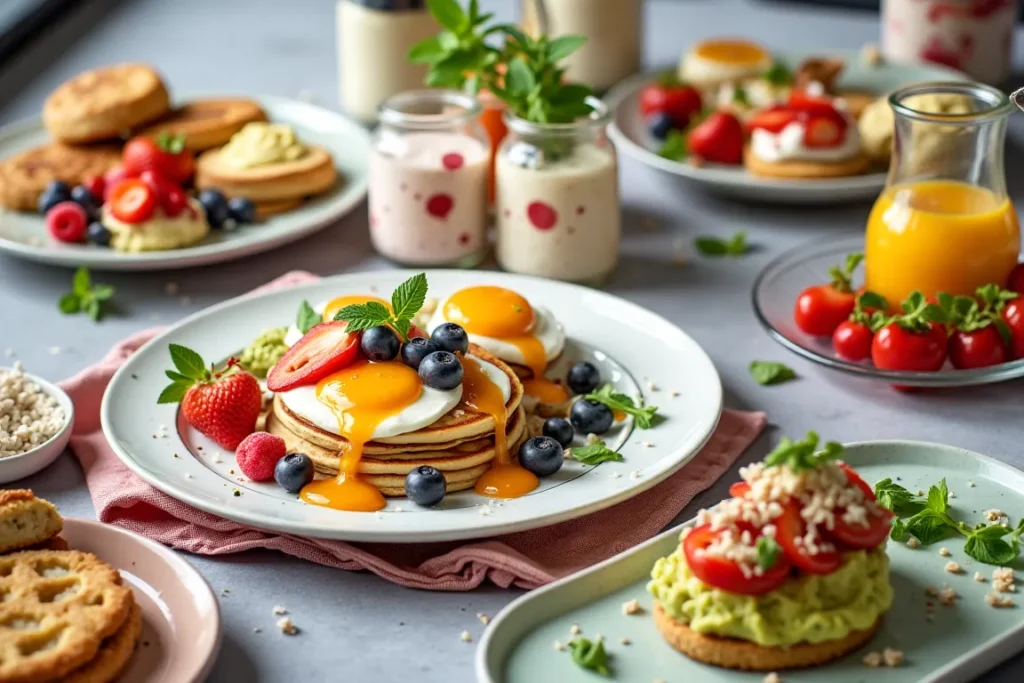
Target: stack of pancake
{"x":461,"y":445}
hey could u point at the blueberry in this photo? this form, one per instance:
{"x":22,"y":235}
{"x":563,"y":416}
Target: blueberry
{"x":242,"y":210}
{"x":425,"y":486}
{"x":660,"y":124}
{"x":451,"y":337}
{"x":416,"y":349}
{"x":293,"y":471}
{"x":559,"y":429}
{"x":55,"y":193}
{"x":591,"y":417}
{"x":98,"y":234}
{"x":81,"y":195}
{"x":583,"y":377}
{"x":380,"y":343}
{"x":542,"y":455}
{"x":216,"y":207}
{"x":441,"y":370}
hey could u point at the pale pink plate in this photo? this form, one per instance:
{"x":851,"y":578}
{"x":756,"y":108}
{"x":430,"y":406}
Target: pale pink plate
{"x":181,"y":619}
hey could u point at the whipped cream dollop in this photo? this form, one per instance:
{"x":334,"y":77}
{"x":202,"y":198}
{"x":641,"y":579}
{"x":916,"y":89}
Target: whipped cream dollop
{"x":788,"y":144}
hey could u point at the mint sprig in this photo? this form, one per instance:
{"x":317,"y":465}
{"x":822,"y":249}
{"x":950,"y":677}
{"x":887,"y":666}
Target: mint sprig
{"x":768,"y":372}
{"x":85,"y":296}
{"x":171,"y":143}
{"x":713,"y":246}
{"x":919,"y":314}
{"x":590,"y":655}
{"x":306,"y":319}
{"x":675,"y":147}
{"x":406,"y":301}
{"x":768,"y":550}
{"x":644,"y":416}
{"x":803,"y":455}
{"x":964,"y":313}
{"x":595,"y":454}
{"x":929,"y":520}
{"x":189,"y":370}
{"x":778,"y":74}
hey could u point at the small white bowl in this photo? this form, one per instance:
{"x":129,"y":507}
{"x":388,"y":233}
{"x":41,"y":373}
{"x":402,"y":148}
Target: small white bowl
{"x":17,"y":467}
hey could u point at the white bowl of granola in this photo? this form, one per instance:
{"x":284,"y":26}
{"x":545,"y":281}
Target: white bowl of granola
{"x":36,"y":419}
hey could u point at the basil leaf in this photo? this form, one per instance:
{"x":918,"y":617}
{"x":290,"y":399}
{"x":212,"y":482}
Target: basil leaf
{"x":307,"y":318}
{"x":767,"y":552}
{"x":561,"y":47}
{"x":713,"y":246}
{"x":595,"y":453}
{"x":448,"y":13}
{"x":519,"y":80}
{"x":674,"y":148}
{"x":427,"y":51}
{"x":768,"y":373}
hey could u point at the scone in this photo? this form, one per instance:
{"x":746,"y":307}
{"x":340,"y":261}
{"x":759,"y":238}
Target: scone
{"x":310,"y":174}
{"x":105,"y":103}
{"x":26,"y":520}
{"x":26,"y":174}
{"x":207,"y":123}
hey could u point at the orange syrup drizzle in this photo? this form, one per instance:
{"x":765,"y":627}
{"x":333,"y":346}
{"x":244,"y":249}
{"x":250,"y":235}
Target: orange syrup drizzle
{"x":336,"y":304}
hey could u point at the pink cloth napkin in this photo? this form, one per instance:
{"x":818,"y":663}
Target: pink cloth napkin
{"x":527,"y":559}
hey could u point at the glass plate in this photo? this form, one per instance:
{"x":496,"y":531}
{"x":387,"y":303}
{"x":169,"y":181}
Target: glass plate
{"x":782,"y":280}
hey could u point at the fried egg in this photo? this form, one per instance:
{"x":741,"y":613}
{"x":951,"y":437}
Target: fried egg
{"x":713,"y":62}
{"x":505,"y":324}
{"x":327,"y":311}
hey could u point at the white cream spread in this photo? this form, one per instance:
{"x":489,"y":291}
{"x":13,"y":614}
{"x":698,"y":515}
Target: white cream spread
{"x":789,"y":145}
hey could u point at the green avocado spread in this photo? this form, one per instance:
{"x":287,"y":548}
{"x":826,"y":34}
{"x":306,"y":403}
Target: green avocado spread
{"x":806,"y":608}
{"x":264,"y":351}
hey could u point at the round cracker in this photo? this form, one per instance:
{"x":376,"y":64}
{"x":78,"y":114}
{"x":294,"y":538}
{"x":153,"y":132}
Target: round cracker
{"x":793,"y":169}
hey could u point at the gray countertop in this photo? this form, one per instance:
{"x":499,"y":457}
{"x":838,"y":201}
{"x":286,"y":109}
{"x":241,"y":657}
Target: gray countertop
{"x":355,"y":626}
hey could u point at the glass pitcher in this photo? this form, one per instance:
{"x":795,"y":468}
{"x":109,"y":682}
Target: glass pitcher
{"x":944,"y":222}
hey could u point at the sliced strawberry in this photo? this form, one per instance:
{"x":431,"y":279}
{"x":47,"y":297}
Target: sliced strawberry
{"x":324,"y":349}
{"x":773,"y":119}
{"x":800,"y":100}
{"x":719,"y":138}
{"x":824,"y":131}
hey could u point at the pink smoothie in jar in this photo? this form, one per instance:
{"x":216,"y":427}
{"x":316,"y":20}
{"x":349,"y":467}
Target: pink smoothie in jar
{"x":428,"y":180}
{"x":973,"y":36}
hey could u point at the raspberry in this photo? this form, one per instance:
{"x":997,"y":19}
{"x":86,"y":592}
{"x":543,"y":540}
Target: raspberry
{"x":258,"y":454}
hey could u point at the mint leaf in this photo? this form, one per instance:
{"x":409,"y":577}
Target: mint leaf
{"x":173,"y":393}
{"x":991,"y":549}
{"x":590,"y":655}
{"x":306,"y":319}
{"x":408,"y":297}
{"x":595,"y":453}
{"x":928,"y":527}
{"x":644,"y":416}
{"x":713,"y":246}
{"x":938,"y":498}
{"x":81,"y":283}
{"x":768,"y":373}
{"x":891,"y":496}
{"x":92,"y":309}
{"x":767,"y":552}
{"x":740,"y":96}
{"x":899,"y":530}
{"x":803,"y":454}
{"x":426,"y":51}
{"x":69,"y":303}
{"x":188,"y":362}
{"x":448,"y":13}
{"x":561,"y":47}
{"x":519,"y":80}
{"x":84,"y":296}
{"x":674,"y":148}
{"x":778,"y":74}
{"x":364,"y":316}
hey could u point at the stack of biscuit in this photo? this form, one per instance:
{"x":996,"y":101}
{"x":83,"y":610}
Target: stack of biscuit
{"x":65,"y":616}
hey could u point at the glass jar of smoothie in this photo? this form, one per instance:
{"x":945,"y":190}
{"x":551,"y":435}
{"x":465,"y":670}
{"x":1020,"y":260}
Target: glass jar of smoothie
{"x":374,"y":37}
{"x":614,"y":31}
{"x":944,"y":222}
{"x":557,"y":204}
{"x":428,"y":180}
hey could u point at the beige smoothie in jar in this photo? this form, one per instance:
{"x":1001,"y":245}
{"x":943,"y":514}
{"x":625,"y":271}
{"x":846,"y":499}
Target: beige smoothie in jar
{"x":557,"y":205}
{"x":428,"y":176}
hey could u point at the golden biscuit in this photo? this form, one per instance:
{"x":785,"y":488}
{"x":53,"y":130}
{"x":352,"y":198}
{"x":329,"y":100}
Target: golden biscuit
{"x":272,"y":208}
{"x":731,"y":653}
{"x":792,"y":169}
{"x":57,"y":609}
{"x":26,"y":520}
{"x":310,"y":174}
{"x":114,"y":655}
{"x":207,"y":123}
{"x":26,"y":174}
{"x":105,"y":103}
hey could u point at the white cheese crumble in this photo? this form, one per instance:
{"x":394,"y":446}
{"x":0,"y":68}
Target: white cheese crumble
{"x":953,"y":568}
{"x":575,"y":630}
{"x":465,"y":636}
{"x":29,"y":417}
{"x":979,"y":577}
{"x":913,"y":543}
{"x":944,"y":552}
{"x":948,"y":596}
{"x":998,"y":601}
{"x":559,"y":647}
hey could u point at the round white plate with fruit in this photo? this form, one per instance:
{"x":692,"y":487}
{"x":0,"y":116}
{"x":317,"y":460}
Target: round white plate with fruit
{"x":411,"y":407}
{"x":788,"y":127}
{"x":169,"y":222}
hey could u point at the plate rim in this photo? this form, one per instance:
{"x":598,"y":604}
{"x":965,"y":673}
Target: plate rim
{"x":180,"y":566}
{"x":489,"y":526}
{"x":945,"y":674}
{"x":348,"y":197}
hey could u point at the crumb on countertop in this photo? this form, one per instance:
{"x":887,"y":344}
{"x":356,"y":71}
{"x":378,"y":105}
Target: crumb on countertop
{"x":632,"y":607}
{"x":286,"y":626}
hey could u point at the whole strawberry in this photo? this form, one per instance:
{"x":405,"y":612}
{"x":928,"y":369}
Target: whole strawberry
{"x":222,"y":405}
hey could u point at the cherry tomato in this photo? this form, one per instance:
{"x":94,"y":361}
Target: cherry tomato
{"x":739,"y":489}
{"x":718,"y":138}
{"x":852,"y":341}
{"x":820,"y":309}
{"x":855,"y":479}
{"x":326,"y":348}
{"x":858,"y":536}
{"x":725,"y":574}
{"x":132,"y":201}
{"x":1013,"y":315}
{"x":896,"y":348}
{"x":1016,"y":283}
{"x":166,"y":156}
{"x":773,"y":119}
{"x":977,"y":348}
{"x":789,"y":527}
{"x":669,"y":96}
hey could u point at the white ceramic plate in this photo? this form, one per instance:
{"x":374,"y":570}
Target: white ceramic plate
{"x":28,"y":463}
{"x":24,"y":234}
{"x":181,"y":627}
{"x":959,"y":645}
{"x":629,"y":132}
{"x":632,"y":344}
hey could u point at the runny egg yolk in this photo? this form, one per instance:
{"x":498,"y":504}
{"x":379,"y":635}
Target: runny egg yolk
{"x":335,"y":305}
{"x":732,"y":52}
{"x":502,"y":314}
{"x":361,"y":397}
